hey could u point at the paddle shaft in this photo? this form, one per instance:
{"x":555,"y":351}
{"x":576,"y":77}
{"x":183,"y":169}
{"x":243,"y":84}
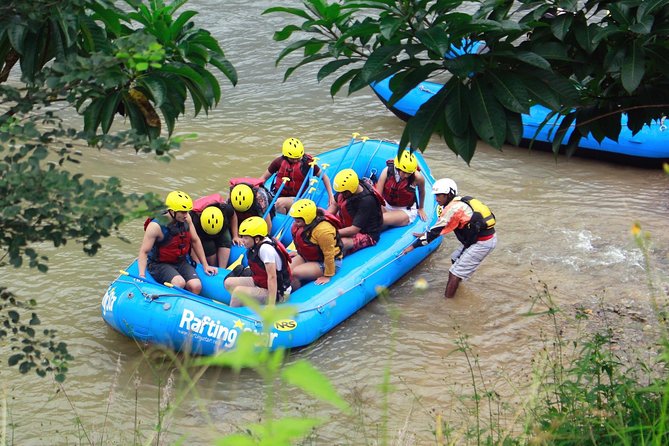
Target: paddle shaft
{"x":284,"y":180}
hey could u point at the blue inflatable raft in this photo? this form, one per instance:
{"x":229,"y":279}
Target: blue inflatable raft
{"x":153,"y":313}
{"x":649,"y":147}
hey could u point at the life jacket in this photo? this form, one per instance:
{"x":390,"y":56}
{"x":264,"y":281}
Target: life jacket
{"x":481,"y":225}
{"x":308,"y":250}
{"x":258,"y":271}
{"x":297,"y":172}
{"x":399,"y":191}
{"x":367,"y":188}
{"x":176,"y":242}
{"x":201,"y":203}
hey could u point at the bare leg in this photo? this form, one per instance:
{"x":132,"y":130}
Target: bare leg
{"x":452,"y":285}
{"x":395,"y":218}
{"x":194,"y":286}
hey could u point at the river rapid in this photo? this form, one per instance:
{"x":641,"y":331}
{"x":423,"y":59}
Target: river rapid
{"x":562,"y":222}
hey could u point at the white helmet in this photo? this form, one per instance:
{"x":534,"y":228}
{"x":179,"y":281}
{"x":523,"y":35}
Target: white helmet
{"x":445,"y":186}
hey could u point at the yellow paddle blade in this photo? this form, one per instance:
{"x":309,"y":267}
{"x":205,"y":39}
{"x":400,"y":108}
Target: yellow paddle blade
{"x":236,"y":262}
{"x":291,"y":247}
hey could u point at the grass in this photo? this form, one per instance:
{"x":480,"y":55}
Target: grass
{"x":583,"y":390}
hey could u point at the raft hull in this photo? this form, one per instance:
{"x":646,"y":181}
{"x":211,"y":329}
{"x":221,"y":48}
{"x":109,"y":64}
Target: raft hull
{"x":649,"y":147}
{"x":153,"y":313}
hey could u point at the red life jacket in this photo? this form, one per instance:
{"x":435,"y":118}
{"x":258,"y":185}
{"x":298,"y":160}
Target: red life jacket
{"x":175,"y":245}
{"x":399,"y":193}
{"x":309,"y":251}
{"x":367,"y":188}
{"x":297,"y":172}
{"x":201,"y":203}
{"x":258,"y":271}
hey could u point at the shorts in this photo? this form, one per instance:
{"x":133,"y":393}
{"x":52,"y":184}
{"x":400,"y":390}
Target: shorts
{"x":165,"y":272}
{"x":412,"y":212}
{"x":466,"y":261}
{"x":211,"y":246}
{"x":337,"y":263}
{"x":361,"y":240}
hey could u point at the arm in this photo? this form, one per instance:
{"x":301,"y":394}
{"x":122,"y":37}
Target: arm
{"x":265,"y":175}
{"x":420,"y":185}
{"x":349,"y":231}
{"x":332,"y":205}
{"x":151,"y":235}
{"x":271,"y":283}
{"x":451,"y":218}
{"x":234,"y":229}
{"x":196,"y":246}
{"x":382,"y":181}
{"x":325,"y":236}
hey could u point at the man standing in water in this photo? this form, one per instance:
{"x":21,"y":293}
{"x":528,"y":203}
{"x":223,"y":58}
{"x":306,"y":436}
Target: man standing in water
{"x":473,"y":224}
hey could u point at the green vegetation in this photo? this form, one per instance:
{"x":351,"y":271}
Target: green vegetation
{"x":590,"y":60}
{"x":104,"y":63}
{"x":101,"y":63}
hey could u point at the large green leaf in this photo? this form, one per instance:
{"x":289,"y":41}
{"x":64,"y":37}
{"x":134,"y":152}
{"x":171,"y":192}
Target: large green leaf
{"x":176,"y":28}
{"x":456,"y":110}
{"x":155,"y":87}
{"x":303,"y":375}
{"x":561,"y":25}
{"x":342,"y":80}
{"x":224,"y":65}
{"x":435,"y":39}
{"x":419,"y":128}
{"x":487,"y":114}
{"x":92,"y":115}
{"x":633,"y":68}
{"x":294,"y":11}
{"x":331,"y":67}
{"x":16,"y":32}
{"x":108,"y":110}
{"x":184,"y":71}
{"x":374,"y":64}
{"x":510,"y":91}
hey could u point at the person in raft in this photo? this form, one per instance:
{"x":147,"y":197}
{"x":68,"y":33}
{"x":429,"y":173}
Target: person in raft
{"x":269,"y":263}
{"x":245,"y":203}
{"x":473,"y":224}
{"x":359,"y":208}
{"x":398,"y":183}
{"x":319,"y":248}
{"x":294,"y":164}
{"x":168,"y":240}
{"x":212,"y":225}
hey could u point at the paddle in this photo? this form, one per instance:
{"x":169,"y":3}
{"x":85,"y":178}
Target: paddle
{"x":307,"y":178}
{"x":372,"y":157}
{"x":284,"y":180}
{"x":364,"y":140}
{"x":354,"y":137}
{"x":324,"y":167}
{"x":236,"y":263}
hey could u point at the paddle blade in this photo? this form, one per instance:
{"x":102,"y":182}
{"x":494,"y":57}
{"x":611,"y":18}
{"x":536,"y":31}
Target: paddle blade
{"x":236,"y":262}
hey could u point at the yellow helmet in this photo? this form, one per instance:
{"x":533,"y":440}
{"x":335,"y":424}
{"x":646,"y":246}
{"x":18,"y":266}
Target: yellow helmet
{"x":179,"y":201}
{"x":211,"y":220}
{"x":304,"y":209}
{"x":292,"y":148}
{"x":254,"y":227}
{"x":242,"y":197}
{"x":346,"y":180}
{"x":406,"y":162}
